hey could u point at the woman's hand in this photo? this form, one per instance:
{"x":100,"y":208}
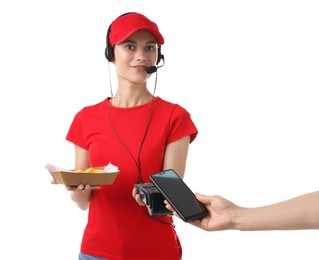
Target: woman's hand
{"x":137,"y":197}
{"x":79,"y":188}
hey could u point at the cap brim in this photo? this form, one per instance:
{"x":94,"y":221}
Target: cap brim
{"x":123,"y":37}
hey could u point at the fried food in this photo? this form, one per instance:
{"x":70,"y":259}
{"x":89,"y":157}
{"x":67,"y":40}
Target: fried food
{"x":89,"y":170}
{"x":92,"y":170}
{"x":78,"y":170}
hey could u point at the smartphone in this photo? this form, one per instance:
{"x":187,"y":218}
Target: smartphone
{"x":179,"y":195}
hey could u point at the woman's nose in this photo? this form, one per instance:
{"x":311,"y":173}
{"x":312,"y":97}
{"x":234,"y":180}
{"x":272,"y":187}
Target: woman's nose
{"x":140,"y":55}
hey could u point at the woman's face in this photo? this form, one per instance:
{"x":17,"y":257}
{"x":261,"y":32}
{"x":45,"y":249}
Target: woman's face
{"x":133,"y":55}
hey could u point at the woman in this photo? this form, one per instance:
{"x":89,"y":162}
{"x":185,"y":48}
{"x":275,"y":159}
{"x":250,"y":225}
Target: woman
{"x":139,"y":133}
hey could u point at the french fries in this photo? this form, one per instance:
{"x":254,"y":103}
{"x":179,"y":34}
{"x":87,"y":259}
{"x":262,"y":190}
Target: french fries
{"x":89,"y":170}
{"x":92,"y":170}
{"x":78,"y":170}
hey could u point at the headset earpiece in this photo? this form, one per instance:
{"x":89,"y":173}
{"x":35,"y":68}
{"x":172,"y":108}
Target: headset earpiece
{"x":109,"y":51}
{"x":160,"y":56}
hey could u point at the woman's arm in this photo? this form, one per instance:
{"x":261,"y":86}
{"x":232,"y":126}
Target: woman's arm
{"x":176,"y":155}
{"x":174,"y":158}
{"x":82,"y":194}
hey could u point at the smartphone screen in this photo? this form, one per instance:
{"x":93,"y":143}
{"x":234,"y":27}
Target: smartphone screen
{"x":179,"y":195}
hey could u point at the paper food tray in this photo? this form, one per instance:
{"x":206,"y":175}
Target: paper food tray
{"x":71,"y":178}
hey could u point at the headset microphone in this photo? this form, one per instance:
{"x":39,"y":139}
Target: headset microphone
{"x":152,"y":69}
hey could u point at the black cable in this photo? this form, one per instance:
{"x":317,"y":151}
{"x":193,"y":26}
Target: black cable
{"x":138,"y":162}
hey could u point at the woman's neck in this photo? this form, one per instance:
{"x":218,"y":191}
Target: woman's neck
{"x":131,"y":100}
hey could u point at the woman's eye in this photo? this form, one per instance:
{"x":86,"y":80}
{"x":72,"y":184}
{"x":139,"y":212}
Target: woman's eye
{"x":130,"y":47}
{"x":150,"y":48}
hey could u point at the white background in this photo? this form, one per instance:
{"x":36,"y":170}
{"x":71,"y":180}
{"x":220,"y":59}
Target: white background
{"x":247,"y":71}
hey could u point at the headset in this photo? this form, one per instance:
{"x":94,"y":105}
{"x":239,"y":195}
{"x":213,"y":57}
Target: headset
{"x":109,"y":50}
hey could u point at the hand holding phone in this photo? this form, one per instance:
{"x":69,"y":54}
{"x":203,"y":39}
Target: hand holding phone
{"x":179,"y":195}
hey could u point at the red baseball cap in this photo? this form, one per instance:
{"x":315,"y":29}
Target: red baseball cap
{"x":127,"y":24}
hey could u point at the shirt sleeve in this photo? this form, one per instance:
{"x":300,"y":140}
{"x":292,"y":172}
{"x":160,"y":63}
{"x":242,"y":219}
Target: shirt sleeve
{"x":181,"y":125}
{"x":76,"y":132}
